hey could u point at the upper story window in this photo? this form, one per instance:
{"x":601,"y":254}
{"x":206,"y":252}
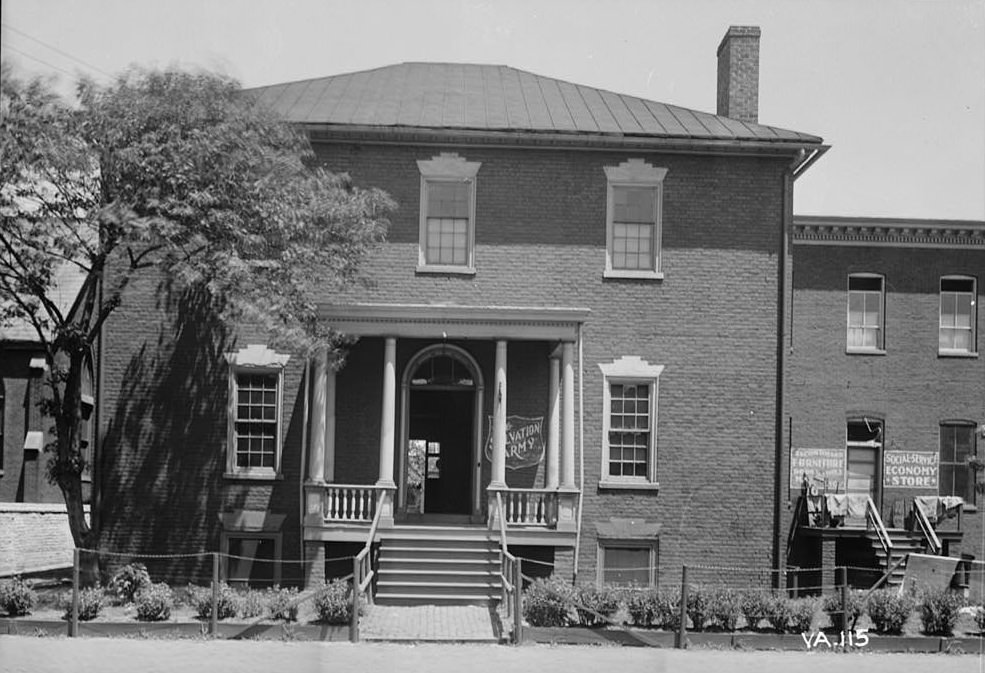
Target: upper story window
{"x":957,"y":445}
{"x":957,"y":322}
{"x":629,"y":422}
{"x":866,"y":320}
{"x":634,"y":208}
{"x":255,"y":417}
{"x":447,"y":230}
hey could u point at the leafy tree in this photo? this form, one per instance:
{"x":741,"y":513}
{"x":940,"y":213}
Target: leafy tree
{"x":183,"y":177}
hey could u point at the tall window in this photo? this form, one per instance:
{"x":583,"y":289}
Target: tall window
{"x":630,"y":422}
{"x":957,"y":446}
{"x":633,"y":219}
{"x":865,"y":313}
{"x":255,"y":382}
{"x":447,"y":234}
{"x":864,"y":455}
{"x":957,"y":325}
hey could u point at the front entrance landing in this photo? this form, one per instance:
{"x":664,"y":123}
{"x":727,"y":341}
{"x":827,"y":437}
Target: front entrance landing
{"x":440,"y":623}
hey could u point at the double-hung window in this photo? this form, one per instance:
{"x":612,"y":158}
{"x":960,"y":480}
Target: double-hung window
{"x":957,"y":445}
{"x":634,"y":206}
{"x":255,"y":417}
{"x":447,"y":229}
{"x":866,"y":320}
{"x":957,"y":318}
{"x":629,"y":423}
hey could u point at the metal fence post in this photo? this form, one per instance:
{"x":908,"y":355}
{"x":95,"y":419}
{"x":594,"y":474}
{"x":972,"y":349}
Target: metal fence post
{"x":843,"y":581}
{"x":73,"y":625}
{"x":214,"y":618}
{"x":795,"y":584}
{"x":682,"y":627}
{"x":354,"y":617}
{"x":517,"y":602}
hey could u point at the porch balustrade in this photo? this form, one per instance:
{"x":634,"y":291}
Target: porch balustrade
{"x":530,"y":506}
{"x":355,"y":503}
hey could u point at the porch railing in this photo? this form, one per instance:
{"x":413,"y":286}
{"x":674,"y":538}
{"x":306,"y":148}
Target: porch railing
{"x":364,"y":569}
{"x":355,"y":503}
{"x":530,"y":506}
{"x":873,"y":518}
{"x":510,"y":576}
{"x":927,"y":528}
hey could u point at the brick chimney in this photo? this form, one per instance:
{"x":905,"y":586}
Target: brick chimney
{"x":738,"y":74}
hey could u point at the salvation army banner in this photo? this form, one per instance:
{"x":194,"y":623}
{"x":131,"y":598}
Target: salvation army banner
{"x":524,"y":441}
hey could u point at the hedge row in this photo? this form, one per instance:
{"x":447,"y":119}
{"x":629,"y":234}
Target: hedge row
{"x":553,"y":602}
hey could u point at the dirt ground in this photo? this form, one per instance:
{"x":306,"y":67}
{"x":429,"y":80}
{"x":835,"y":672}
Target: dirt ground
{"x":19,"y":654}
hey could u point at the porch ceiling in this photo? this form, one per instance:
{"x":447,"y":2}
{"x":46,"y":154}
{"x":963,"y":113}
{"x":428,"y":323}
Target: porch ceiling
{"x":446,"y":321}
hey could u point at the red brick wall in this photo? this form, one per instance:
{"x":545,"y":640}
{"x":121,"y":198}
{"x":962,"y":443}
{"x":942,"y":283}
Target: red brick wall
{"x":540,"y":241}
{"x":910,"y":388}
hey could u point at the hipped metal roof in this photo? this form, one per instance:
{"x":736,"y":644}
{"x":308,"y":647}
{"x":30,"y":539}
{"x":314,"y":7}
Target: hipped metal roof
{"x":496,"y":98}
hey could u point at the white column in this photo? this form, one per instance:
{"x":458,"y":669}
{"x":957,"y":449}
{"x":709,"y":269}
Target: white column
{"x":388,"y":413}
{"x":316,"y":453}
{"x":567,"y":416}
{"x":554,"y":425}
{"x":499,"y":420}
{"x":329,"y":463}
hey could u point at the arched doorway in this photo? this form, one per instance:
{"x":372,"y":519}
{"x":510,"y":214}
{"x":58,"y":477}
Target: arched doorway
{"x":441,"y":429}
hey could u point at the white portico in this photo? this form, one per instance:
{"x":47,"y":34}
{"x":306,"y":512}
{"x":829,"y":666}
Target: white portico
{"x":449,"y":383}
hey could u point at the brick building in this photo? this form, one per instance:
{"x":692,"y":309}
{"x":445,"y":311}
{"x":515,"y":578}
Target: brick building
{"x":573,"y":332}
{"x":885,"y":379}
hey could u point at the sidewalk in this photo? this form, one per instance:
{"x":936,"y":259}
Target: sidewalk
{"x":438,"y":623}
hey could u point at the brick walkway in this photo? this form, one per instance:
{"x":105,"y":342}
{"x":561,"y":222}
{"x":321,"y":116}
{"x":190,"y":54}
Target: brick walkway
{"x":447,"y":623}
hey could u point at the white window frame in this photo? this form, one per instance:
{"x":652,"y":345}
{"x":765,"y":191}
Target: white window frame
{"x":632,"y":370}
{"x":629,"y":543}
{"x":959,"y":352}
{"x":634,"y":173}
{"x":972,"y":504}
{"x":447,"y":167}
{"x":254,"y":359}
{"x":880,"y":348}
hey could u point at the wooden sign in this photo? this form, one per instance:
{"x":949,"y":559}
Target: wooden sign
{"x":524,"y":441}
{"x":910,"y":469}
{"x":823,"y":468}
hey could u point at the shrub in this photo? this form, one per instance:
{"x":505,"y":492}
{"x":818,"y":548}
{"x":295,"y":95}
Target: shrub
{"x":697,"y":606}
{"x":91,"y":601}
{"x":130,"y":580}
{"x":832,"y":606}
{"x":980,"y":618}
{"x":282,"y":603}
{"x":154,"y":603}
{"x":333,"y":602}
{"x":724,"y":608}
{"x":252,"y":603}
{"x":888,"y":610}
{"x":595,"y":604}
{"x":17,"y":597}
{"x":754,"y":605}
{"x":802,"y":614}
{"x":200,"y":598}
{"x":779,"y":610}
{"x":641,"y":604}
{"x":939,"y":610}
{"x":547,"y":602}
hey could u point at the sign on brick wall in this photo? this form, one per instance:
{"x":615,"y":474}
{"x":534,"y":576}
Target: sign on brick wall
{"x":910,"y":469}
{"x":524,"y":441}
{"x":823,"y":468}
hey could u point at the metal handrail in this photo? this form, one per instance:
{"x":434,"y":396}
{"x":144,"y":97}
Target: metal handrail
{"x":933,"y":542}
{"x":872,"y":515}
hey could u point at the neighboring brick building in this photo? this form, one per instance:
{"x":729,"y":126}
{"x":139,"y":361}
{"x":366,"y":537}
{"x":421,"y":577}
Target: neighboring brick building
{"x":885,"y":374}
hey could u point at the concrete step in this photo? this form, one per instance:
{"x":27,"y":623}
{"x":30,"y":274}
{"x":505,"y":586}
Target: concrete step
{"x":430,"y":599}
{"x":401,"y":575}
{"x":390,"y":564}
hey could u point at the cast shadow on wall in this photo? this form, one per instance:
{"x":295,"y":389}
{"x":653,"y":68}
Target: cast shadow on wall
{"x":163,"y":453}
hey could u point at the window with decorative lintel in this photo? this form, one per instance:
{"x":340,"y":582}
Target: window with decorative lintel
{"x":629,"y":423}
{"x":633,"y":221}
{"x":447,"y":230}
{"x":255,"y":417}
